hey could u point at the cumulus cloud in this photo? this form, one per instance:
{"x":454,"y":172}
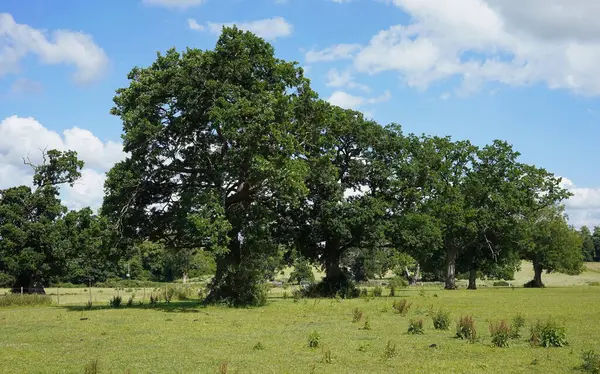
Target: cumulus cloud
{"x":60,"y":47}
{"x":335,"y":78}
{"x":336,"y":52}
{"x":25,"y":137}
{"x":181,"y":4}
{"x":517,"y":43}
{"x":583,"y":207}
{"x":348,"y":101}
{"x":268,"y":28}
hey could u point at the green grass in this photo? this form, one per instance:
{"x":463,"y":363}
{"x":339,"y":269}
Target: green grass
{"x":185,"y":337}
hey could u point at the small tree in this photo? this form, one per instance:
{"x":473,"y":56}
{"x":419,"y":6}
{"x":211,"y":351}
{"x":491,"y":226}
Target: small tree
{"x":550,"y":244}
{"x":302,"y":271}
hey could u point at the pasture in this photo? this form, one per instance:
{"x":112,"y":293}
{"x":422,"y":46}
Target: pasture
{"x":186,"y":337}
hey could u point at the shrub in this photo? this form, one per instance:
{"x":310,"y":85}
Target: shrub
{"x":501,"y":284}
{"x":91,"y":367}
{"x":183,"y":293}
{"x":358,"y":314}
{"x":364,"y":292}
{"x":377,"y":291}
{"x":591,"y":362}
{"x":390,"y":350}
{"x":24,"y":300}
{"x":500,"y":333}
{"x":392,"y":290}
{"x":398,"y":282}
{"x":415,"y":326}
{"x":297,"y":295}
{"x":548,"y":334}
{"x":594,"y":284}
{"x":130,"y":301}
{"x":169,"y":293}
{"x":314,"y":339}
{"x":154,"y":299}
{"x":115,"y":302}
{"x":517,"y":324}
{"x":465,"y":329}
{"x":401,"y":306}
{"x":441,"y":320}
{"x":6,"y":281}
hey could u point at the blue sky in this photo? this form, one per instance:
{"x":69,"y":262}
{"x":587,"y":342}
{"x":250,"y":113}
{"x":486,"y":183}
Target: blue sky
{"x":527,"y":72}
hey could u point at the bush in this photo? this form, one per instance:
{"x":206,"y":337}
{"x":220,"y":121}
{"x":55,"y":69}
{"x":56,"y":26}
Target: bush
{"x":24,"y":300}
{"x":377,"y":291}
{"x":501,"y":284}
{"x":441,"y":320}
{"x":392,"y":290}
{"x":358,"y":314}
{"x":591,"y":362}
{"x":500,"y":333}
{"x":398,"y":282}
{"x":364,"y":292}
{"x":548,"y":334}
{"x":302,"y":272}
{"x":115,"y":302}
{"x":465,"y":329}
{"x":130,"y":301}
{"x":6,"y":281}
{"x":401,"y":306}
{"x":517,"y":324}
{"x":314,"y":339}
{"x":415,"y":326}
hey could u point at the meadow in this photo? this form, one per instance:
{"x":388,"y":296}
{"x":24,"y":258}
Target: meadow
{"x":187,"y":337}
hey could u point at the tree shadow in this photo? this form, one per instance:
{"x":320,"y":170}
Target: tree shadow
{"x":192,"y":306}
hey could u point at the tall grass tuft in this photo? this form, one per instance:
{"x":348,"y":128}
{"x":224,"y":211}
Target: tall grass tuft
{"x":9,"y":300}
{"x":465,"y":329}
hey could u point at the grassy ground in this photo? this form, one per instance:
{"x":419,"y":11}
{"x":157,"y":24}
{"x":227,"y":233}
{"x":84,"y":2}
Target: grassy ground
{"x":184,"y":337}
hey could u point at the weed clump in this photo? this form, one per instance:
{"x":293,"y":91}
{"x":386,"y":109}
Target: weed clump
{"x":314,"y":339}
{"x":367,"y":325}
{"x":465,"y":329}
{"x":401,"y":306}
{"x":91,"y":367}
{"x":377,"y":291}
{"x":591,"y":362}
{"x":389,"y":351}
{"x":415,"y":327}
{"x":258,"y":347}
{"x":358,"y":314}
{"x":500,"y":333}
{"x":517,"y":324}
{"x":548,"y":334}
{"x":115,"y":302}
{"x":441,"y":320}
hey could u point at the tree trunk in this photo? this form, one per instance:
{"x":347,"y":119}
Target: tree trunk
{"x":537,"y":277}
{"x":225,"y":267}
{"x":451,"y":255}
{"x":472,"y":279}
{"x":184,"y":278}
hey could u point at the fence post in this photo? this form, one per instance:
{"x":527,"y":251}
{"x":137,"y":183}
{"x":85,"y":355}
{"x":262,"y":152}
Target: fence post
{"x":90,"y":292}
{"x":144,"y":297}
{"x":58,"y":295}
{"x":21,"y":290}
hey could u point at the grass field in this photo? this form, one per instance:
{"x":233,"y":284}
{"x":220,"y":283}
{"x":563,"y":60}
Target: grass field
{"x":185,"y":337}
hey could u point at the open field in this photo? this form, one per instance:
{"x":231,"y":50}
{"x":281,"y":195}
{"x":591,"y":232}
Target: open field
{"x":185,"y":337}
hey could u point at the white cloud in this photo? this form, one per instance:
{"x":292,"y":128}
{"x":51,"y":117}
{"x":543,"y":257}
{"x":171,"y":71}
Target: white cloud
{"x":512,"y":42}
{"x":63,"y":47}
{"x":583,"y":207}
{"x":348,"y":101}
{"x":338,"y":79}
{"x":25,"y":86}
{"x":181,"y":4}
{"x":336,"y":52}
{"x":268,"y":28}
{"x":25,"y":137}
{"x":192,"y":24}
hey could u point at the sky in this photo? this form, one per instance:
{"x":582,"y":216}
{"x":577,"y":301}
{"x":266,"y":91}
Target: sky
{"x":524,"y":71}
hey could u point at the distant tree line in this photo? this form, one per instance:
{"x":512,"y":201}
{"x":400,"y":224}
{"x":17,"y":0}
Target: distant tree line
{"x":233,"y":157}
